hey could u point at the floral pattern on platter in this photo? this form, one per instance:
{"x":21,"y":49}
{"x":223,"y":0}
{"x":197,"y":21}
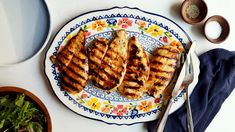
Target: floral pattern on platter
{"x":96,"y":99}
{"x":148,"y":28}
{"x":113,"y":106}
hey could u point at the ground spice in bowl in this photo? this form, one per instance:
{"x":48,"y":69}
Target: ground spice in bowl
{"x":192,"y":11}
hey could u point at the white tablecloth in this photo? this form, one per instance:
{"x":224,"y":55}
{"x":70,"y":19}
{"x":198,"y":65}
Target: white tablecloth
{"x":30,"y":75}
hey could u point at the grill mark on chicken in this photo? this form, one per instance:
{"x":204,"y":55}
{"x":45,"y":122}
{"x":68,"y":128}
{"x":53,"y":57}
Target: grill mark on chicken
{"x":162,"y":78}
{"x":160,"y":63}
{"x":83,"y":51}
{"x":129,"y":94}
{"x":137,"y":71}
{"x":62,"y":60}
{"x":71,"y":84}
{"x":132,"y":87}
{"x":158,"y":84}
{"x":140,"y":82}
{"x":170,"y":50}
{"x":73,"y":70}
{"x":72,"y":75}
{"x":98,"y":76}
{"x":75,"y":63}
{"x":117,"y":73}
{"x":129,"y":71}
{"x":113,"y":64}
{"x":72,"y":62}
{"x":102,"y":42}
{"x":70,"y":89}
{"x":162,"y":69}
{"x":96,"y":54}
{"x":171,"y":58}
{"x":158,"y":70}
{"x":66,"y":54}
{"x":70,"y":48}
{"x":114,"y":55}
{"x":93,"y":63}
{"x":77,"y":59}
{"x":79,"y":67}
{"x":111,"y":76}
{"x":100,"y":48}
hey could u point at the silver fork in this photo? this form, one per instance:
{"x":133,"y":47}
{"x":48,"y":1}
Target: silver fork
{"x":166,"y":108}
{"x":188,"y":79}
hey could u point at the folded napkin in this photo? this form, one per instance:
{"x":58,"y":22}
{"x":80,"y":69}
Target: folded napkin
{"x":216,"y":82}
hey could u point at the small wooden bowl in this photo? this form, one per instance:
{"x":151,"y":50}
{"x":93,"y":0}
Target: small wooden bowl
{"x":224,"y":25}
{"x":30,"y":97}
{"x":201,"y":6}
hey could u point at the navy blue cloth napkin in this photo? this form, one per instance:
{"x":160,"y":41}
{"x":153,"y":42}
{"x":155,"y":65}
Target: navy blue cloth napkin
{"x":216,"y":82}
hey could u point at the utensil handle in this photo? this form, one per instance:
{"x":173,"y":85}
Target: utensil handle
{"x":162,"y":123}
{"x":189,"y":112}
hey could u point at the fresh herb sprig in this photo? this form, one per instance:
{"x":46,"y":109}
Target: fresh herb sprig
{"x":18,"y":114}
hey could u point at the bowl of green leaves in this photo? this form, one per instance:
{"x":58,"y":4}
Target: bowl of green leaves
{"x":22,"y":111}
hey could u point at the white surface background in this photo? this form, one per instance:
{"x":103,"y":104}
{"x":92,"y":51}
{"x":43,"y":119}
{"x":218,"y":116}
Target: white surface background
{"x":30,"y":75}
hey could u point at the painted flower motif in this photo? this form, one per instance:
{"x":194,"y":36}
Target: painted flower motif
{"x":145,"y":106}
{"x":178,"y":44}
{"x":158,"y":105}
{"x":134,"y":112}
{"x":168,"y":34}
{"x":107,"y":107}
{"x":86,"y":30}
{"x":98,"y":25}
{"x":164,"y":39}
{"x":111,"y":22}
{"x":84,"y":95}
{"x":125,"y":23}
{"x":87,"y":34}
{"x":154,"y":30}
{"x":130,"y":106}
{"x":120,"y":110}
{"x":93,"y":103}
{"x":141,"y":23}
{"x":157,"y":100}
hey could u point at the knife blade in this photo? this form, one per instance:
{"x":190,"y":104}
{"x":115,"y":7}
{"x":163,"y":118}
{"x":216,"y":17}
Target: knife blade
{"x":177,"y":90}
{"x":175,"y":84}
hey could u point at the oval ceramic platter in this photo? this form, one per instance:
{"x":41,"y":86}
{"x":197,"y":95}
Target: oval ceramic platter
{"x":152,"y":30}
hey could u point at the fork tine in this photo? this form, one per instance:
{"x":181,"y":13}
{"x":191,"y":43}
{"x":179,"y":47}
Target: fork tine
{"x":187,"y":68}
{"x":188,"y":78}
{"x":183,"y":58}
{"x":191,"y":65}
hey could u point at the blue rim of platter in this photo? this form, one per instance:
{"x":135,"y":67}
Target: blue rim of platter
{"x":85,"y":108}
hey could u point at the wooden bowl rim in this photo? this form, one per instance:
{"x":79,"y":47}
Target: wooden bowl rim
{"x":197,"y":20}
{"x":39,"y":103}
{"x":224,"y":25}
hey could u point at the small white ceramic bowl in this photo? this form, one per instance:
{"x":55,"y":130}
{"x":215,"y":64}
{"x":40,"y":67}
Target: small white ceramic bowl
{"x":25,"y":28}
{"x":225,"y":29}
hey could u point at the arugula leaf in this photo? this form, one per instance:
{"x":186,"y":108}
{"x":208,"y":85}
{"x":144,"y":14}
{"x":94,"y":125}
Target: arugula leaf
{"x":4,"y":101}
{"x":16,"y":114}
{"x":19,"y":100}
{"x":2,"y":123}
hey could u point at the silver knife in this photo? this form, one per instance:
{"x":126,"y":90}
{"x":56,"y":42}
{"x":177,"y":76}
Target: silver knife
{"x":176,"y":90}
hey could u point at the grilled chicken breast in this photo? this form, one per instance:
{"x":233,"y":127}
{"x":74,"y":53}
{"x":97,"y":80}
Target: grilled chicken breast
{"x":113,"y":66}
{"x":162,"y":68}
{"x":73,"y":64}
{"x":137,"y":71}
{"x":96,"y":54}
